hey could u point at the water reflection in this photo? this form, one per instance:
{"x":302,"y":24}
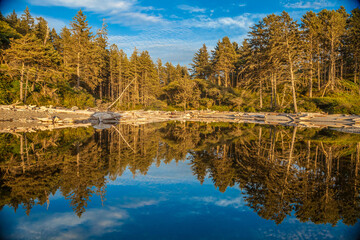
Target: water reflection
{"x":309,"y":173}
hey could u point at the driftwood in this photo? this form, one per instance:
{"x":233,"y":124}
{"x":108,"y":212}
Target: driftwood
{"x":74,"y":116}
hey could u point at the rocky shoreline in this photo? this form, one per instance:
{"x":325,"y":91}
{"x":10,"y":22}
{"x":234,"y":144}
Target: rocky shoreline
{"x":33,"y":118}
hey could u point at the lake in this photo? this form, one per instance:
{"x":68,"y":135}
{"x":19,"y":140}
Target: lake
{"x":180,"y":180}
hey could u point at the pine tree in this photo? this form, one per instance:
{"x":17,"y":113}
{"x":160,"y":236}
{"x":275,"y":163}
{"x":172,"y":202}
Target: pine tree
{"x":353,"y":39}
{"x":290,"y":40}
{"x":41,"y":30}
{"x":150,"y":83}
{"x":114,"y":70}
{"x":81,"y":47}
{"x":333,"y":24}
{"x":201,"y":64}
{"x":223,"y":60}
{"x":13,"y":20}
{"x":26,"y":23}
{"x":257,"y":44}
{"x":55,"y":40}
{"x":6,"y":33}
{"x":66,"y":47}
{"x":100,"y":60}
{"x":161,"y":71}
{"x":134,"y":74}
{"x":310,"y":27}
{"x":29,"y":52}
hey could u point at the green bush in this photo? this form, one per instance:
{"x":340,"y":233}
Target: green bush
{"x":221,"y":108}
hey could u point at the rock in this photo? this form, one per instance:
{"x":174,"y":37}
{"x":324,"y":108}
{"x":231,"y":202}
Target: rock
{"x":106,"y":116}
{"x":74,"y":108}
{"x":55,"y":119}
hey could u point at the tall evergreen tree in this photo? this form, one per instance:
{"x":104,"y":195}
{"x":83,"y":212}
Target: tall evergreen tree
{"x":352,"y":41}
{"x":82,"y":37}
{"x":333,"y":24}
{"x":26,"y":23}
{"x":223,"y":60}
{"x":201,"y":63}
{"x":310,"y":27}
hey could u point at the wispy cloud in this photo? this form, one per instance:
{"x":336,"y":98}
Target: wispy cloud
{"x":119,"y":11}
{"x":230,"y":202}
{"x":242,"y":21}
{"x":56,"y":23}
{"x":191,"y":9}
{"x":317,"y":4}
{"x":50,"y":227}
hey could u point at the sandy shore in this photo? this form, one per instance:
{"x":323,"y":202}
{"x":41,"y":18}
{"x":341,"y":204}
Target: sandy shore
{"x":32,"y":118}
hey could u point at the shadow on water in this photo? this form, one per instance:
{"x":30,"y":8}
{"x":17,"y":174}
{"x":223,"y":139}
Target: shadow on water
{"x":310,"y":173}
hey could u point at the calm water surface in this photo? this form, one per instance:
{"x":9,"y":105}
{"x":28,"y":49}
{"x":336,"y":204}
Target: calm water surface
{"x":180,"y":181}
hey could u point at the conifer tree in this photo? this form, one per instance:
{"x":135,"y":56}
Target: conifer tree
{"x":26,"y":23}
{"x":310,"y":27}
{"x":201,"y":63}
{"x":99,"y":57}
{"x":134,"y":74}
{"x":333,"y":24}
{"x":13,"y":20}
{"x":66,"y":47}
{"x":55,"y":40}
{"x":290,"y":39}
{"x":82,"y":47}
{"x":257,"y":44}
{"x":353,"y":39}
{"x":223,"y":60}
{"x":41,"y":29}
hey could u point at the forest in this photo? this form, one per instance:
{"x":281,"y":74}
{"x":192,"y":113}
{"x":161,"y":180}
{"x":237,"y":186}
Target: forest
{"x":282,"y":66}
{"x":312,"y":174}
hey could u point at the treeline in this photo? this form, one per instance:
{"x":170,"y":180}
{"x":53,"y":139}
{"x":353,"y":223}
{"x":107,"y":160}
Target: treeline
{"x":309,"y":173}
{"x":282,"y":60}
{"x":280,"y":66}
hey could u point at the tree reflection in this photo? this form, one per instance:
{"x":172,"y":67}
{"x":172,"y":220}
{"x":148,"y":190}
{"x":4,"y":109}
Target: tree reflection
{"x":311,"y":173}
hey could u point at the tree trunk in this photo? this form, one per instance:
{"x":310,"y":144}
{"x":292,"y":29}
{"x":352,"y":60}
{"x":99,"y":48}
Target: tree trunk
{"x":355,"y":71}
{"x":261,"y":100}
{"x":78,"y":70}
{"x":22,"y":81}
{"x":311,"y":78}
{"x":26,"y":85}
{"x":341,"y":68}
{"x":46,"y":35}
{"x":332,"y":67}
{"x":293,"y":85}
{"x":101,"y":90}
{"x":318,"y":69}
{"x":275,"y":90}
{"x":226,"y":79}
{"x":272,"y":91}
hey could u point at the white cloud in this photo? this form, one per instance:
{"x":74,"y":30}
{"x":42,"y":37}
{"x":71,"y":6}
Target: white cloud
{"x":119,"y":11}
{"x":242,"y":21}
{"x":56,"y":23}
{"x":90,"y":5}
{"x":317,"y":4}
{"x":191,"y":9}
{"x":67,"y":225}
{"x":230,"y":202}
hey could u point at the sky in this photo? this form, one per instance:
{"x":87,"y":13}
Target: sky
{"x":170,"y":30}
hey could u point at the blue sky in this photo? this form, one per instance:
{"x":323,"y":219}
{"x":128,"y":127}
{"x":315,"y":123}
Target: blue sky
{"x":170,"y":30}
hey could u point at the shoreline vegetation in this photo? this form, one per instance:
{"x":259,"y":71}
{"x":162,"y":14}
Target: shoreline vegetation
{"x":281,"y":66}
